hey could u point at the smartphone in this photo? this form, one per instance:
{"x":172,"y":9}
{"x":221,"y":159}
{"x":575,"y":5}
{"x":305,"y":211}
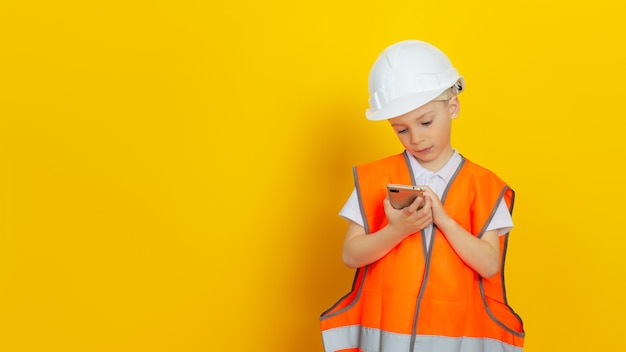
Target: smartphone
{"x":401,"y":196}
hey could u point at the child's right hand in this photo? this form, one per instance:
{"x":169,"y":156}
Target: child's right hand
{"x":409,"y":220}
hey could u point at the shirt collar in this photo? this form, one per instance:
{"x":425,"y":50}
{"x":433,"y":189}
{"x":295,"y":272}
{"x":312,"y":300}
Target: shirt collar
{"x":445,"y":173}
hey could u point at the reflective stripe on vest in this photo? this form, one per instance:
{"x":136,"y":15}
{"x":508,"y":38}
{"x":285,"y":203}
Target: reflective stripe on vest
{"x":402,"y":302}
{"x":367,"y":339}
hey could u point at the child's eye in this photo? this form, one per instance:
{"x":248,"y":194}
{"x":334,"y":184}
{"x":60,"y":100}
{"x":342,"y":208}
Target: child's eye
{"x":404,"y":130}
{"x":426,"y":123}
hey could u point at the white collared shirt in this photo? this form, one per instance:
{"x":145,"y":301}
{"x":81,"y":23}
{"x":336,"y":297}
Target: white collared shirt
{"x":437,"y":181}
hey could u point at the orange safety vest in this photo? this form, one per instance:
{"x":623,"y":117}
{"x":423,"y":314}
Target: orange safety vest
{"x":414,"y":299}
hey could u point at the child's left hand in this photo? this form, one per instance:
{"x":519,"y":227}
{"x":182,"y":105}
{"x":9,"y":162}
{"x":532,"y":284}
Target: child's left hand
{"x":439,"y":213}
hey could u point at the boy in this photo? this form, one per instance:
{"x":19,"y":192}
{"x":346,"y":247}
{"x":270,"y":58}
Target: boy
{"x":429,"y":276}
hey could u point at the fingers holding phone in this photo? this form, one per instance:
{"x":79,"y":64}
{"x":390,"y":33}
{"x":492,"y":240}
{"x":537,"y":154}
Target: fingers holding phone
{"x":408,"y":209}
{"x":438,"y":212}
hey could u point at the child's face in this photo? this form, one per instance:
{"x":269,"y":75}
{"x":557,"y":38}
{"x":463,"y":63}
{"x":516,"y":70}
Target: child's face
{"x":425,"y":132}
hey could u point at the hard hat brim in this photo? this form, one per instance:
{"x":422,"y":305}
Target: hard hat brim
{"x":402,"y":105}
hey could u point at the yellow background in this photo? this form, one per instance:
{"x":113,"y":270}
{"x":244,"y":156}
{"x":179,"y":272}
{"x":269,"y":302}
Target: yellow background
{"x":171,"y":171}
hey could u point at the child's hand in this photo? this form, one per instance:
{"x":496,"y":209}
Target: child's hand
{"x":410,"y":219}
{"x":439,"y":214}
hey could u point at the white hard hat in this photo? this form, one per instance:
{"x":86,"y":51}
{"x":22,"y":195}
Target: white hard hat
{"x":408,"y":75}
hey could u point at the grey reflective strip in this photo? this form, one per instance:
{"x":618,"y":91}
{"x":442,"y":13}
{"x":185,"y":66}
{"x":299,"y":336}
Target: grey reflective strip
{"x":408,"y":166}
{"x":327,"y":315}
{"x":427,"y":256}
{"x":358,"y":194}
{"x":456,"y":173}
{"x":481,"y":284}
{"x":376,"y":340}
{"x":504,"y":251}
{"x":493,"y":212}
{"x":462,"y":344}
{"x":367,"y":339}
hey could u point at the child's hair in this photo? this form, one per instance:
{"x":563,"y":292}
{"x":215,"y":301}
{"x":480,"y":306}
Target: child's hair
{"x":450,"y":92}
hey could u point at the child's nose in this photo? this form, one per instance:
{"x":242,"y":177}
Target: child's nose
{"x":416,"y":137}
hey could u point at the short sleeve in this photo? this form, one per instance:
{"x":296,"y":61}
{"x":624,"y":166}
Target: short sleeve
{"x":351,"y":209}
{"x":502,"y":220}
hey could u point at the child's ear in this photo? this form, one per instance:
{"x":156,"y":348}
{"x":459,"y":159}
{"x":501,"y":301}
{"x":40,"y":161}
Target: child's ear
{"x":454,"y":106}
